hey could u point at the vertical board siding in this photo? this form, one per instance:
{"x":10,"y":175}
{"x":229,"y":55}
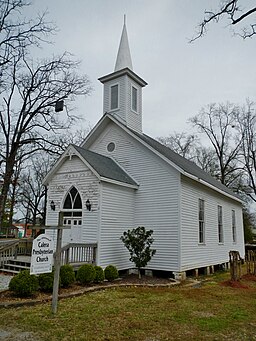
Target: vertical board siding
{"x":156,"y":200}
{"x":195,"y":255}
{"x":73,"y":172}
{"x":117,"y":212}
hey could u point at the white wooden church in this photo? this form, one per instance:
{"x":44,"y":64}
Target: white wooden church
{"x":120,"y":178}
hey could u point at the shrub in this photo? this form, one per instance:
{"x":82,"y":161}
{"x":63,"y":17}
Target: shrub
{"x":67,"y":275}
{"x":46,"y":281}
{"x":111,"y":273}
{"x":138,"y":242}
{"x":99,"y":274}
{"x":24,"y":284}
{"x":86,"y":274}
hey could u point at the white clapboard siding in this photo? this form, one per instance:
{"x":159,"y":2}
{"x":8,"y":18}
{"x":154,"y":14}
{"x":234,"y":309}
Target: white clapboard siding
{"x":73,"y":172}
{"x":133,"y":119}
{"x":156,"y":201}
{"x":195,"y":255}
{"x":117,"y":216}
{"x":121,"y":81}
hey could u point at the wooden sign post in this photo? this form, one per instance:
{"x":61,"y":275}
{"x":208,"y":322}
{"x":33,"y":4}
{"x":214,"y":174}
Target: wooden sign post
{"x":56,"y":271}
{"x":57,"y":263}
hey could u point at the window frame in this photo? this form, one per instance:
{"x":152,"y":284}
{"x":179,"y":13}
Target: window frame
{"x":110,"y":97}
{"x":220,"y":225}
{"x":132,"y":97}
{"x":233,"y":224}
{"x":201,"y":221}
{"x":72,"y":212}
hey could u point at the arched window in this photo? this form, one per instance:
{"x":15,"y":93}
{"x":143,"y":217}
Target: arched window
{"x":73,"y":203}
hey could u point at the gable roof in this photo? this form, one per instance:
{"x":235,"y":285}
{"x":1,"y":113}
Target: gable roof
{"x":184,"y":166}
{"x":105,"y":167}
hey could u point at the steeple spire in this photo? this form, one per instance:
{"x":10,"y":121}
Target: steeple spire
{"x":123,"y":59}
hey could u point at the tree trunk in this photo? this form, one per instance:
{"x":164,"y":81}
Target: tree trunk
{"x":5,"y":187}
{"x":139,"y":273}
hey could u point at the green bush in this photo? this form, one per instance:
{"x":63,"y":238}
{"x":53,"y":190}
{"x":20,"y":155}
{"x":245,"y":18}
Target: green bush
{"x":24,"y":284}
{"x":86,"y":274}
{"x":46,"y":281}
{"x":99,"y":274}
{"x":111,"y":273}
{"x":67,"y":275}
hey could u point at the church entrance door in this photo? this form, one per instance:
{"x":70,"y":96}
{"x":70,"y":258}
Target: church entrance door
{"x":76,"y":231}
{"x":72,"y":209}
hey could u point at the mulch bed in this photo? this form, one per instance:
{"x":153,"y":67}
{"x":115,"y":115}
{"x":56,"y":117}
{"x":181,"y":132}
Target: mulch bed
{"x":8,"y":299}
{"x":240,"y":284}
{"x":234,"y":284}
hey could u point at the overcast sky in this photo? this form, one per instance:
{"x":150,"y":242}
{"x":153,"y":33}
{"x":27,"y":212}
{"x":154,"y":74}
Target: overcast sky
{"x":181,"y":77}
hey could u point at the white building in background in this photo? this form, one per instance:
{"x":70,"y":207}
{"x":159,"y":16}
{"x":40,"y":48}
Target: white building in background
{"x":120,"y":178}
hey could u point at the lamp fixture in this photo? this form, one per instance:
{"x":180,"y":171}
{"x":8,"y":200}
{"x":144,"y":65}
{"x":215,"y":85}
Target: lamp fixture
{"x":88,"y":205}
{"x":52,"y":205}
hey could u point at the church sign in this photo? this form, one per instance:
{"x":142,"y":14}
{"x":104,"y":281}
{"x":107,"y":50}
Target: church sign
{"x":42,"y":255}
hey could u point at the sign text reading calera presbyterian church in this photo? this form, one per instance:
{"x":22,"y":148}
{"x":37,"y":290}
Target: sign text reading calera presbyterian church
{"x":41,"y":255}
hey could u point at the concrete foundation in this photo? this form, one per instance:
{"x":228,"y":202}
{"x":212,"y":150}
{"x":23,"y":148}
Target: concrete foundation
{"x":179,"y":276}
{"x":149,"y":273}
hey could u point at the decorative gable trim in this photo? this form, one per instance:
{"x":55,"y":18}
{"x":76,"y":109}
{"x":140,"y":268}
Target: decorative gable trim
{"x":71,"y":150}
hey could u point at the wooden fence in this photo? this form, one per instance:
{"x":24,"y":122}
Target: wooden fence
{"x":250,"y":260}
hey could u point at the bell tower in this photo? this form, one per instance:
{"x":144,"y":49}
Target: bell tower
{"x":122,"y":94}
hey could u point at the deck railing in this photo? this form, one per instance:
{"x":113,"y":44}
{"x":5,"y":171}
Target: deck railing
{"x":25,"y":246}
{"x":76,"y":254}
{"x":8,"y":250}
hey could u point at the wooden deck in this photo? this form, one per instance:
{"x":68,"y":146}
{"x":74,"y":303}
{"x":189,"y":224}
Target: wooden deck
{"x":16,"y":255}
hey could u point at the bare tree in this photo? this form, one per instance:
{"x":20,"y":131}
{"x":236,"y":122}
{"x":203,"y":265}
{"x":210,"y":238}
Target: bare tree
{"x":237,"y":13}
{"x":246,"y":127}
{"x":182,"y":143}
{"x":217,"y":123}
{"x":32,"y":191}
{"x":27,"y":118}
{"x":18,"y":34}
{"x":205,"y":158}
{"x":190,"y":147}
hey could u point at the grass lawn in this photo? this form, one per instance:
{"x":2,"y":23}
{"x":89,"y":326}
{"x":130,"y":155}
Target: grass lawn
{"x":210,"y":312}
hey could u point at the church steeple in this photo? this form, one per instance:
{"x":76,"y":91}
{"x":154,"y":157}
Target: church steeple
{"x":123,"y":59}
{"x":123,"y":88}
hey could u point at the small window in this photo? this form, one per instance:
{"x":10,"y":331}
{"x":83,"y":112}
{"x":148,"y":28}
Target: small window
{"x":114,"y":97}
{"x":111,"y":147}
{"x":134,"y":99}
{"x":201,"y":221}
{"x":220,"y":224}
{"x":234,"y":226}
